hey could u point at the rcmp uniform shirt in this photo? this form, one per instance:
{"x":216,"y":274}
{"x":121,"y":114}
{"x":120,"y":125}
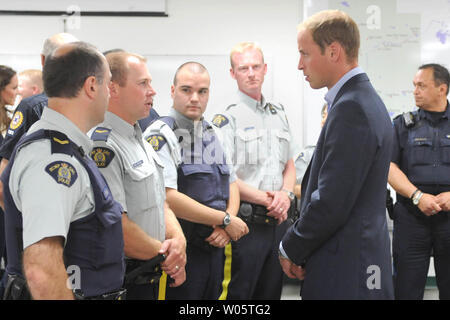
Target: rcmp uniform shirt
{"x":166,"y":143}
{"x":259,"y":140}
{"x":51,"y":190}
{"x":133,"y":172}
{"x":302,"y":161}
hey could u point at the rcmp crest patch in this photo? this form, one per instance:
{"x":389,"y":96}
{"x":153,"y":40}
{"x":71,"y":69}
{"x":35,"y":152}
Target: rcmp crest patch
{"x":102,"y":156}
{"x":220,"y":120}
{"x":62,"y":172}
{"x":156,"y":141}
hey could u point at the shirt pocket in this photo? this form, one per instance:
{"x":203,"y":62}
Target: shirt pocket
{"x":445,"y":150}
{"x":141,"y":193}
{"x":248,"y":143}
{"x":421,"y":151}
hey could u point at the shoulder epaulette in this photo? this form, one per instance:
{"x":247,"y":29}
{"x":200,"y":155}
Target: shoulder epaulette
{"x":100,"y":134}
{"x":230,"y":106}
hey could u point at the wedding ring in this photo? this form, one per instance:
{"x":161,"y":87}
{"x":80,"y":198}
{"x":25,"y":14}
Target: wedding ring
{"x":177,"y":267}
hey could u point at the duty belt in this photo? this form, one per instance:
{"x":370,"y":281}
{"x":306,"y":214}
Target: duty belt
{"x":116,"y":295}
{"x":254,"y":213}
{"x":144,"y":271}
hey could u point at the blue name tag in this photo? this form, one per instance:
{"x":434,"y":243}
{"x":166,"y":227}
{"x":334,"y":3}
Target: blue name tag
{"x":138,"y":164}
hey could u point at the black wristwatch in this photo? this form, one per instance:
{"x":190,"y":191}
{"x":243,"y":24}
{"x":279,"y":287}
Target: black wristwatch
{"x":226,"y":220}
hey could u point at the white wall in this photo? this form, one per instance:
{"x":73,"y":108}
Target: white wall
{"x":194,"y":27}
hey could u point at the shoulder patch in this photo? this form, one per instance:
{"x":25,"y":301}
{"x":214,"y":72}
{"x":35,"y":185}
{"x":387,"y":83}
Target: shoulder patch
{"x":157,"y":141}
{"x":16,"y":120}
{"x":102,"y":156}
{"x":100,"y":134}
{"x":220,"y":120}
{"x":62,"y":172}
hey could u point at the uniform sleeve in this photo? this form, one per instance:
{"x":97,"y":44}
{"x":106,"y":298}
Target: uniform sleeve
{"x":109,"y":162}
{"x":49,"y":209}
{"x":228,"y":153}
{"x":170,"y":168}
{"x":23,"y":118}
{"x":226,"y":128}
{"x":398,"y":143}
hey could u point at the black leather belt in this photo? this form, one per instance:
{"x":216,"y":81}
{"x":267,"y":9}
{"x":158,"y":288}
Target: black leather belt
{"x":254,"y":213}
{"x":116,"y":295}
{"x":144,"y":271}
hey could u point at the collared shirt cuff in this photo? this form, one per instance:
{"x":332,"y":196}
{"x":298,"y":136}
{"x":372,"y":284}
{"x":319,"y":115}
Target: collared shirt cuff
{"x":282,"y":252}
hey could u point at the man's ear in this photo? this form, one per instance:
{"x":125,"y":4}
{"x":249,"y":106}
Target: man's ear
{"x":443,"y":89}
{"x":334,"y":51}
{"x":90,"y":87}
{"x":113,"y":89}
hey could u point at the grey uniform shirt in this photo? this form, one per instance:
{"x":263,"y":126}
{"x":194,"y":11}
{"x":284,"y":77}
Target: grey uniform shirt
{"x":302,"y":161}
{"x":259,"y":140}
{"x":134,"y":174}
{"x":48,"y":206}
{"x":167,"y":144}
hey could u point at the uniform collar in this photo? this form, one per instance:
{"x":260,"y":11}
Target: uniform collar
{"x":184,"y":122}
{"x":64,"y":125}
{"x":250,"y":102}
{"x":427,"y":114}
{"x":122,"y":127}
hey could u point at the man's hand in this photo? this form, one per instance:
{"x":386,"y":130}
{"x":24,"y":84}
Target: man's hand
{"x":443,"y":200}
{"x":280,"y":205}
{"x":429,"y":205}
{"x":175,"y":251}
{"x":219,"y":238}
{"x":237,"y":228}
{"x":291,"y":270}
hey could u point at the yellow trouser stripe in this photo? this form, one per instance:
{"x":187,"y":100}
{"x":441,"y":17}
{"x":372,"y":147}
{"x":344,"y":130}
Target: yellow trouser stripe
{"x":162,"y":287}
{"x":226,"y":273}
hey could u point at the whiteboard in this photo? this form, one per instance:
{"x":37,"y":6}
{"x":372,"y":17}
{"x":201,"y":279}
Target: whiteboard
{"x":397,"y":36}
{"x":84,"y":6}
{"x":162,"y":69}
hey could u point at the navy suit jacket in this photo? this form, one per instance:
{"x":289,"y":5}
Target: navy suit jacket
{"x":341,"y":237}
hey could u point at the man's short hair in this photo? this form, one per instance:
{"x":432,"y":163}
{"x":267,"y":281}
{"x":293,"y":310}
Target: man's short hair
{"x":34,"y":76}
{"x":64,"y":75}
{"x":242,"y":47}
{"x":440,"y":74}
{"x":333,"y":25}
{"x":195,"y":67}
{"x":118,"y":65}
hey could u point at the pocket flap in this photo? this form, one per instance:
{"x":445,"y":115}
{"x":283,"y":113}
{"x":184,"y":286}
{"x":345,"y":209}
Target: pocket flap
{"x":189,"y":169}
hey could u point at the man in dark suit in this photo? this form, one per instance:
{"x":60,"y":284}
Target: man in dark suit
{"x":340,"y":245}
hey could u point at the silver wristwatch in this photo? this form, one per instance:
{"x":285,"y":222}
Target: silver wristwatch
{"x":290,"y":194}
{"x":415,"y":198}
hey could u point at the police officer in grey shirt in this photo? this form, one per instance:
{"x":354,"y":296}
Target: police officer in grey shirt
{"x":55,"y":198}
{"x":134,"y":172}
{"x":198,"y":183}
{"x":258,"y":136}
